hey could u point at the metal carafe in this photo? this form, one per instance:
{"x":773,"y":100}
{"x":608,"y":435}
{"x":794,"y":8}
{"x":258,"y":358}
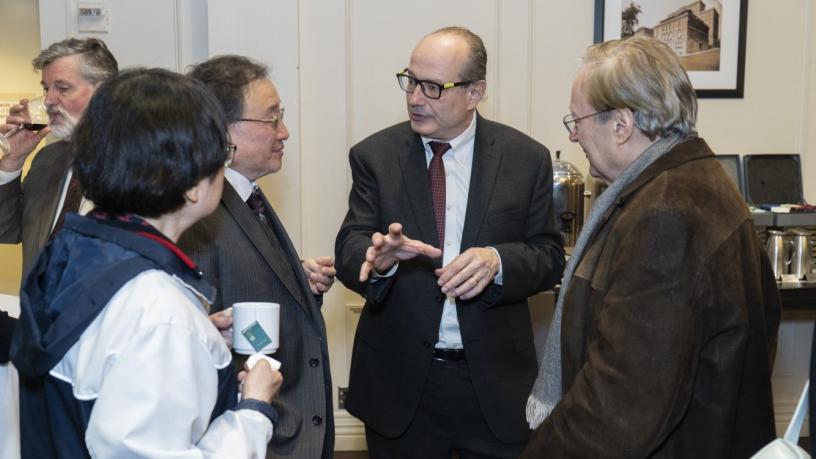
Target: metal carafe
{"x":568,"y":199}
{"x":593,"y":188}
{"x":801,"y":263}
{"x":778,"y":252}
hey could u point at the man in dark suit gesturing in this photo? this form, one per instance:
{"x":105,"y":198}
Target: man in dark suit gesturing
{"x":444,"y":353}
{"x":243,"y":249}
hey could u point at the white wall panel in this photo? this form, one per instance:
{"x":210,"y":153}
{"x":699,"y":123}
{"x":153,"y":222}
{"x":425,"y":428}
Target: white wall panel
{"x":143,"y":33}
{"x":324,"y":151}
{"x":267,"y":31}
{"x":559,"y":37}
{"x":511,"y":79}
{"x":148,"y":33}
{"x":382,"y":35}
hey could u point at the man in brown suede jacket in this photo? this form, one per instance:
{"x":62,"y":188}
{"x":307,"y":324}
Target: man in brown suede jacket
{"x":664,"y":336}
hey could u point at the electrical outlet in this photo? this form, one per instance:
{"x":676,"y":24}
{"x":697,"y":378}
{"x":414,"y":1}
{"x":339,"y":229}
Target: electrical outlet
{"x":342,"y":393}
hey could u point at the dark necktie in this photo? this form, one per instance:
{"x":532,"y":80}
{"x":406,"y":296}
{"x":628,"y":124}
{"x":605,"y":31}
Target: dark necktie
{"x":256,"y":204}
{"x":436,"y":172}
{"x":73,"y":198}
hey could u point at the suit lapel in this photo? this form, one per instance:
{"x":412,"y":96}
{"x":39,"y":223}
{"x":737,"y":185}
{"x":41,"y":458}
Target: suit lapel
{"x":250,"y":225}
{"x":56,"y":172}
{"x":298,"y":279}
{"x":486,"y":161}
{"x":418,"y":188}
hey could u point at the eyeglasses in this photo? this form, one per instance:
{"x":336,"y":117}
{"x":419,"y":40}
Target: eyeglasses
{"x":230,"y":150}
{"x":570,"y":119}
{"x":273,"y":121}
{"x":431,"y":89}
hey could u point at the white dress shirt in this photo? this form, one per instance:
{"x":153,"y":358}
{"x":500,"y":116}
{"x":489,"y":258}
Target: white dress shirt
{"x":458,"y":167}
{"x":242,"y":185}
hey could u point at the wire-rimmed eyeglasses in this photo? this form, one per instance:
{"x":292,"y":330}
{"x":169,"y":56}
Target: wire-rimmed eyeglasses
{"x":569,"y":120}
{"x":273,"y":121}
{"x":431,"y":89}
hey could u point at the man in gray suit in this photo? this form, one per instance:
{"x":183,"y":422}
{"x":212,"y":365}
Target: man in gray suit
{"x":243,"y":249}
{"x":72,"y":69}
{"x":443,"y":352}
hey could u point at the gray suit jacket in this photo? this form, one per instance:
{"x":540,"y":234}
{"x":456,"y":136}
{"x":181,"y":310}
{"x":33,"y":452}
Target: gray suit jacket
{"x":233,"y":250}
{"x":509,"y":208}
{"x":27,"y":207}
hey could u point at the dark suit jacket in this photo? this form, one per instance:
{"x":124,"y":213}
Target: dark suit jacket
{"x":233,"y":250}
{"x":27,"y":207}
{"x":510,"y":208}
{"x":7,"y":324}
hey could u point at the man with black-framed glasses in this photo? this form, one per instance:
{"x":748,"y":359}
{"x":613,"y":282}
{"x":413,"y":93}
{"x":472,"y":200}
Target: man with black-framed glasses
{"x":243,"y":249}
{"x":450,"y":228}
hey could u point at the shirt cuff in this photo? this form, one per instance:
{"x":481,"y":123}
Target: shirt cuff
{"x":499,"y":278}
{"x":8,"y":177}
{"x":264,"y":408}
{"x":375,"y":276}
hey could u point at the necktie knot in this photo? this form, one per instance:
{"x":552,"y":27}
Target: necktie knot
{"x":439,"y":148}
{"x":255,"y":201}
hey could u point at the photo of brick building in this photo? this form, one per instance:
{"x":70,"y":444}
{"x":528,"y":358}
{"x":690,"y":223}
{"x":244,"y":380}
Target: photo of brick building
{"x":691,"y":30}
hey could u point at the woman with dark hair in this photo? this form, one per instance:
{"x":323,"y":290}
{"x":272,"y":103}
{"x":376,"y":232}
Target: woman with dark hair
{"x":116,"y":355}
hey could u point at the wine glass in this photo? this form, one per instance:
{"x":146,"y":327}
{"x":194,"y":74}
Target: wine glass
{"x":37,"y":120}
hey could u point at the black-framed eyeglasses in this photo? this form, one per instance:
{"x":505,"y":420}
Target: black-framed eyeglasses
{"x":432,"y":90}
{"x":569,"y":120}
{"x":231,"y":149}
{"x":273,"y":121}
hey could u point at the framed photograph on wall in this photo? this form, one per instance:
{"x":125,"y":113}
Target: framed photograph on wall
{"x":707,"y":35}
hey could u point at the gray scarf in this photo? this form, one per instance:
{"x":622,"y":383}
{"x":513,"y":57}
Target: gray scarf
{"x":547,"y":388}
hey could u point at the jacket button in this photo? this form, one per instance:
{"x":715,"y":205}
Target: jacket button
{"x":317,"y":420}
{"x":427,"y":344}
{"x":314,"y":362}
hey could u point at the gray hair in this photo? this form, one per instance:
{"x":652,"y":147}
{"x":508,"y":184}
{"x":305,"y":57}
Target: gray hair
{"x":96,"y":61}
{"x":644,"y":75}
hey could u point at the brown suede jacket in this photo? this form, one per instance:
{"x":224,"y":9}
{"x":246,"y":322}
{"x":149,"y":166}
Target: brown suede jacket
{"x":670,"y":325}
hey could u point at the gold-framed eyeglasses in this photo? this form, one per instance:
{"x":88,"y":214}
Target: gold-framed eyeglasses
{"x":273,"y":121}
{"x":231,"y":149}
{"x":431,"y":89}
{"x":569,"y":120}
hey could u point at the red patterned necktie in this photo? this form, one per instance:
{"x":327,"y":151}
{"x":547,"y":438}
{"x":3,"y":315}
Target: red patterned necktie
{"x":436,"y":172}
{"x":73,"y":198}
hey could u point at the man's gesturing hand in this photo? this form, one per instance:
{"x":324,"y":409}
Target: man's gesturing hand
{"x":385,"y":250}
{"x":469,"y":273}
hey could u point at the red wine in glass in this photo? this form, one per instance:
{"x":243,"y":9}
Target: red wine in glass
{"x":34,"y":126}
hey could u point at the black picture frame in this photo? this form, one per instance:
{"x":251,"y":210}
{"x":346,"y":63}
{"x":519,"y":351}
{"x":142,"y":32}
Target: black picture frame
{"x":719,"y":84}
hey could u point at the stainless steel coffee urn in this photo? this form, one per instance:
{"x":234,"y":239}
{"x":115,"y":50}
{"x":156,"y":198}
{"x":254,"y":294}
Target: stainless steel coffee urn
{"x":592,"y":189}
{"x":568,"y":199}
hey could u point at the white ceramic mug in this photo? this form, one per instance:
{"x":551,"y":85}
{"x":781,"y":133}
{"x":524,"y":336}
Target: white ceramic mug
{"x":255,"y":327}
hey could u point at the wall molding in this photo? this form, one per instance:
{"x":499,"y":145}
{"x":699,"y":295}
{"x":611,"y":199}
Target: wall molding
{"x":783,"y":412}
{"x":349,"y":432}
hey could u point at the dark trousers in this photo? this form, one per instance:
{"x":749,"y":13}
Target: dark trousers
{"x":448,"y":419}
